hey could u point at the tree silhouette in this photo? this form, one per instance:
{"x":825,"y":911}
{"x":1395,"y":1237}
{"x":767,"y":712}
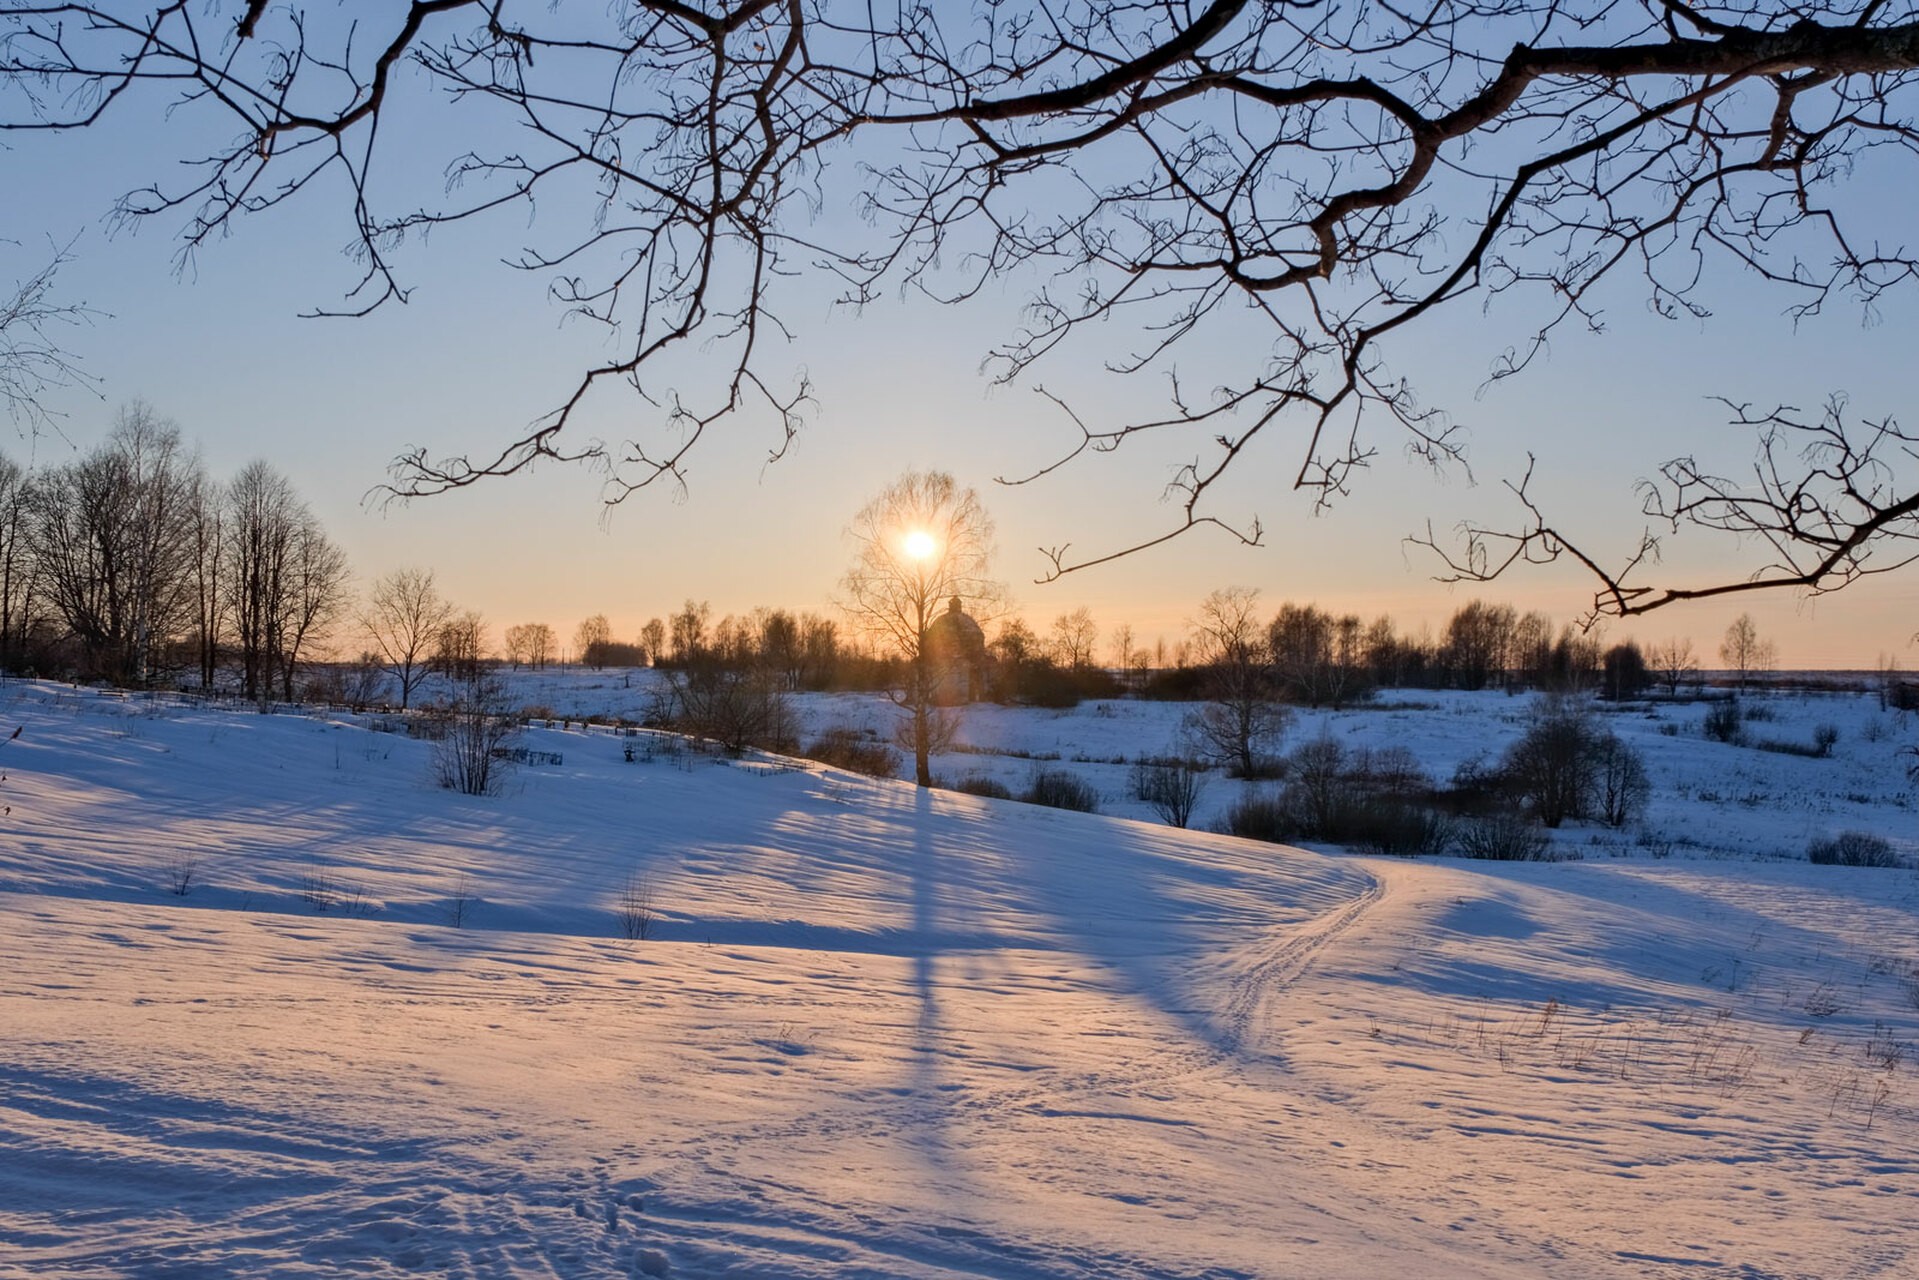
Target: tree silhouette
{"x":920,"y":544}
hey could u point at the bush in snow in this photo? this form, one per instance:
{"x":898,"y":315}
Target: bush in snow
{"x":1620,"y":783}
{"x":1062,"y":789}
{"x":1722,"y":722}
{"x":1173,"y":789}
{"x":1503,"y":837}
{"x":733,"y":706}
{"x":1398,"y":829}
{"x":1318,"y":790}
{"x":1569,"y":766}
{"x":845,"y":747}
{"x":1260,"y":815}
{"x":469,"y":754}
{"x":978,"y":784}
{"x":638,"y":907}
{"x":1853,"y":849}
{"x":1550,"y":769}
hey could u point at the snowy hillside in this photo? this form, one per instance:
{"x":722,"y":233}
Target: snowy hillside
{"x":874,"y":1032}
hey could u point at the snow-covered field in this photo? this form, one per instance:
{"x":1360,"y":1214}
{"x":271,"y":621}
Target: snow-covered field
{"x":875,"y":1032}
{"x":1708,"y":799}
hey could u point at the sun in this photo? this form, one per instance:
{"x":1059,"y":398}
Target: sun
{"x":920,"y":545}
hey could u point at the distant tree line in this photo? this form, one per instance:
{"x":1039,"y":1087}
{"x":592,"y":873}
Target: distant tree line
{"x":1300,"y":654}
{"x":132,"y":561}
{"x":1309,"y":657}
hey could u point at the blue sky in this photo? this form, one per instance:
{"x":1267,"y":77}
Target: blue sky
{"x":480,"y":351}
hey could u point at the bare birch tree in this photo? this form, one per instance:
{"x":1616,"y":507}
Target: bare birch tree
{"x":922,"y":543}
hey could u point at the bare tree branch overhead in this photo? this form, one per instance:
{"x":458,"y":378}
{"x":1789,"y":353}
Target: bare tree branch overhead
{"x":31,"y":361}
{"x":1325,"y":173}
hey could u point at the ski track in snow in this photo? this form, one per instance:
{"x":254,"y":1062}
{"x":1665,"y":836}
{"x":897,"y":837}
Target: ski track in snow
{"x":881,"y":1033}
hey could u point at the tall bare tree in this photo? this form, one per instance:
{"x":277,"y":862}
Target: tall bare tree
{"x":689,"y":630}
{"x":206,"y":529}
{"x":1074,"y":635}
{"x":285,"y":581}
{"x":1673,"y":663}
{"x":404,"y":614}
{"x":1242,"y":720}
{"x":653,"y":640}
{"x":1342,"y":176}
{"x":922,"y":543}
{"x":1744,"y":650}
{"x":590,"y":639}
{"x":19,"y":603}
{"x":111,"y":543}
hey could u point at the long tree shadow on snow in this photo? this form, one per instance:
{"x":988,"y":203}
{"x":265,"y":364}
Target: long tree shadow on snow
{"x":1153,"y":910}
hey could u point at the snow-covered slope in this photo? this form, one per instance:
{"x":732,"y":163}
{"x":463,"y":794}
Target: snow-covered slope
{"x":875,"y":1032}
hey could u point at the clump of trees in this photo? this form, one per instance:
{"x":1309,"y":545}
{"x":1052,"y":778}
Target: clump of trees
{"x":732,"y":704}
{"x":1027,"y":670}
{"x":1567,"y":765}
{"x":1744,"y":651}
{"x":531,"y":644}
{"x":1380,"y":801}
{"x":131,"y":562}
{"x":1305,"y":656}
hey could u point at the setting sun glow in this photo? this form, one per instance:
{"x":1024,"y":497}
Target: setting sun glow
{"x":919,"y":545}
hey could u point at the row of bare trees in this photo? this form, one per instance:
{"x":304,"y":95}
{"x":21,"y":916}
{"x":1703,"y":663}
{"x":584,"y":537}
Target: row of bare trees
{"x":132,"y":557}
{"x":1248,"y":667}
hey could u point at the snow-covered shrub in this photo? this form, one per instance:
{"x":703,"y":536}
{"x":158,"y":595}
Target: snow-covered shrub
{"x":736,"y":707}
{"x":845,"y":747}
{"x":637,"y":909}
{"x":1260,"y":815}
{"x":1400,"y":829}
{"x":1722,"y":722}
{"x":1620,"y":782}
{"x":1503,"y":837}
{"x":1825,"y":737}
{"x":1550,"y":769}
{"x":1853,"y":849}
{"x":978,"y":784}
{"x":1062,"y":789}
{"x":469,"y":755}
{"x":1173,"y":789}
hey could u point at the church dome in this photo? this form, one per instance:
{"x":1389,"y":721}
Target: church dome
{"x":956,"y":648}
{"x":955,"y":631}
